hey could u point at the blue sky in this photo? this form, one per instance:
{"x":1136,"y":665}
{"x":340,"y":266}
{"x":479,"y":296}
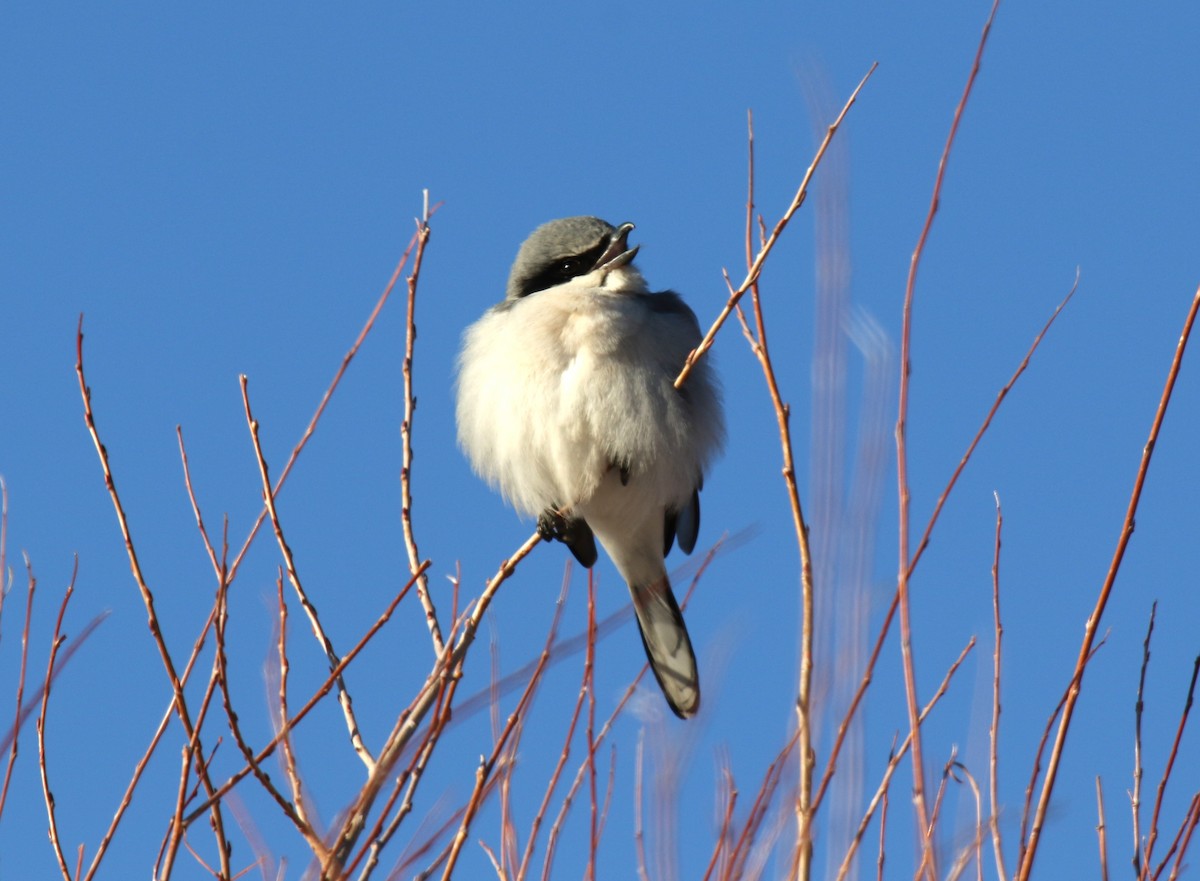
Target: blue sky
{"x":227,"y":191}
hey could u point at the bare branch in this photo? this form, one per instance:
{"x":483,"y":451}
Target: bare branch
{"x":1101,"y":831}
{"x":55,"y":645}
{"x":756,"y":267}
{"x":893,"y":763}
{"x":928,"y":858}
{"x":18,"y":719}
{"x":316,"y":417}
{"x":410,"y":406}
{"x":994,"y":731}
{"x":347,"y":703}
{"x":1093,"y":621}
{"x":180,"y":701}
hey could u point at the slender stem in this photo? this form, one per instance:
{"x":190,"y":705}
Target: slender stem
{"x":756,"y":267}
{"x":928,"y":857}
{"x":406,"y":427}
{"x":1093,"y":621}
{"x":289,"y":560}
{"x":994,"y":732}
{"x":181,"y":707}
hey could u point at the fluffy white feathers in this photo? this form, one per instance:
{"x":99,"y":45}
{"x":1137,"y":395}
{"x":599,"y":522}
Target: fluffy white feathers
{"x":566,"y":403}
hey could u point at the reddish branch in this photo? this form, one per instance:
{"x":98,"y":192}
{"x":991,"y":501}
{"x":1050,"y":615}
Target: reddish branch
{"x":928,"y":857}
{"x":180,"y":702}
{"x":1093,"y":622}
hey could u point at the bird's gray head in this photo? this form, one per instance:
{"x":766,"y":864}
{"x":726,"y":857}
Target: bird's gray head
{"x":561,"y":250}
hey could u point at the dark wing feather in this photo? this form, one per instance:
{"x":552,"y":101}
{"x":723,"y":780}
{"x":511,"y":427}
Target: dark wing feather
{"x":687,"y":523}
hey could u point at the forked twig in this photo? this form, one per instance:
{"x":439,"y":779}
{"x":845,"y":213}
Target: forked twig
{"x":315,"y":699}
{"x":756,"y":267}
{"x":294,"y":812}
{"x":180,"y":701}
{"x":758,"y":345}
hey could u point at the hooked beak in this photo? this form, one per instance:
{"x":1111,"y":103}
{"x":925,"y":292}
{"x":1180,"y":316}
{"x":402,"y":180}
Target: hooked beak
{"x":618,"y":253}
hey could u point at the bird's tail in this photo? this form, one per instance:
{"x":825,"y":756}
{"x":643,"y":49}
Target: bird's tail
{"x":667,"y":645}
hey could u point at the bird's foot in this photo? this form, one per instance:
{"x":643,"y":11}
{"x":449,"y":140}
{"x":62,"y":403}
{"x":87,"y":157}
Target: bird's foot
{"x":553,"y":525}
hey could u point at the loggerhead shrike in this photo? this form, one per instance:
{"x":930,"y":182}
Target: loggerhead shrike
{"x":566,"y":403}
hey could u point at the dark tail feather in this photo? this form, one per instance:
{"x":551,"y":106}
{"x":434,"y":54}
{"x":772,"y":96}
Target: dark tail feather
{"x":667,"y":645}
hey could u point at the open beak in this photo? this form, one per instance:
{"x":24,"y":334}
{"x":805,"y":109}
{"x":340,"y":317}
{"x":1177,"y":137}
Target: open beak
{"x":618,"y":253}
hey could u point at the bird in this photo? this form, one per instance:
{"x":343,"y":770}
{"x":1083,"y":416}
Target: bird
{"x":566,"y":403}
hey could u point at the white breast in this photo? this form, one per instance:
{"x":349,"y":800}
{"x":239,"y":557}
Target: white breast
{"x":556,"y":388}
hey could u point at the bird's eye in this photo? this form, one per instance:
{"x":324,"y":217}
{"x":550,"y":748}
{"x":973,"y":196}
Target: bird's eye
{"x":569,"y":268}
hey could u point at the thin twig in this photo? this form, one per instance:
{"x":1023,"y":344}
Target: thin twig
{"x":975,"y":848}
{"x":893,"y":763}
{"x":180,"y":701}
{"x":1035,"y":772}
{"x":994,"y":731}
{"x":639,"y":834}
{"x":17,"y":719}
{"x":55,"y":645}
{"x":885,"y":627}
{"x":289,"y":810}
{"x":765,"y":250}
{"x":563,"y":755}
{"x":1135,"y":798}
{"x":589,"y":678}
{"x":758,"y":809}
{"x":1101,"y":831}
{"x":1093,"y":621}
{"x":759,"y":346}
{"x":1166,"y":775}
{"x":316,"y":417}
{"x":409,"y":721}
{"x":728,"y":793}
{"x":928,"y":857}
{"x":883,"y":813}
{"x":347,"y":703}
{"x":488,"y":765}
{"x":289,"y":755}
{"x":1189,"y":826}
{"x":187,"y":482}
{"x":608,"y":793}
{"x":410,"y":406}
{"x":316,"y":698}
